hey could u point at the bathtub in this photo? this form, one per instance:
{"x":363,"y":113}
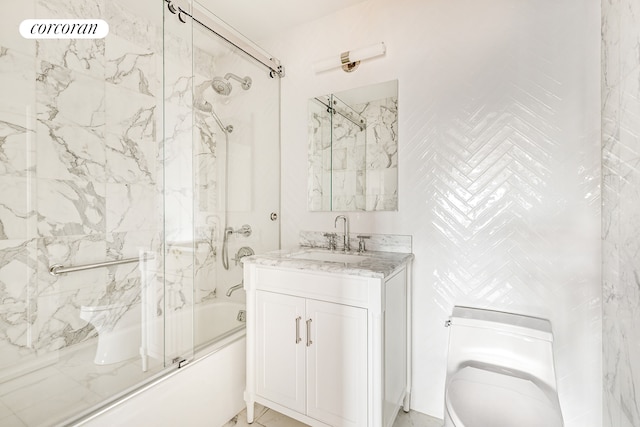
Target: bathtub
{"x":206,"y":392}
{"x":214,"y":322}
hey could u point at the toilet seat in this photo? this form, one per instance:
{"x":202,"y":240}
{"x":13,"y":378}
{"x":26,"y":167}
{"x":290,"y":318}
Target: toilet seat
{"x":481,"y":398}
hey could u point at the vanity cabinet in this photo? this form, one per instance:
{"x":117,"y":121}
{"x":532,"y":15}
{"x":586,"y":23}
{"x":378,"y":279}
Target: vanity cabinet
{"x":327,"y":348}
{"x":311,"y":356}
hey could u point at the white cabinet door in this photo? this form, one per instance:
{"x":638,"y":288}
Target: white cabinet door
{"x":336,"y":364}
{"x":280,"y":349}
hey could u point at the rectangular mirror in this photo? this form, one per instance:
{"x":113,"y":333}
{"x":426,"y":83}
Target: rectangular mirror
{"x":353,"y":149}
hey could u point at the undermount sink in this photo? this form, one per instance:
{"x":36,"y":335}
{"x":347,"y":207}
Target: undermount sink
{"x":329,"y":257}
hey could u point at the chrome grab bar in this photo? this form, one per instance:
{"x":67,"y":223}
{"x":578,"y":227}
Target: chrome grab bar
{"x":58,"y":269}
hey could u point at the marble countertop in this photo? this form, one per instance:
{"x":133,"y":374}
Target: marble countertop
{"x":373,"y":264}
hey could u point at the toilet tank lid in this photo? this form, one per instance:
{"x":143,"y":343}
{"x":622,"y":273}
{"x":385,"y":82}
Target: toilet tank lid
{"x":515,"y":323}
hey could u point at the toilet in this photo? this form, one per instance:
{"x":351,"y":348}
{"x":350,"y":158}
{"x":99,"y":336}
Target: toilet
{"x":500,"y":371}
{"x":119,"y":332}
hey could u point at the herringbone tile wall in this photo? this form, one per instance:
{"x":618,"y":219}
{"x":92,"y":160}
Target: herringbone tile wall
{"x":499,"y":166}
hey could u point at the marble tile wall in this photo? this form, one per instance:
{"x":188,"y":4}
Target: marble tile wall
{"x":104,"y":155}
{"x":375,"y":242}
{"x":621,"y":208}
{"x":209,"y":154}
{"x":178,"y":187}
{"x":319,"y":159}
{"x":348,"y":158}
{"x":382,"y":153}
{"x":83,"y":167}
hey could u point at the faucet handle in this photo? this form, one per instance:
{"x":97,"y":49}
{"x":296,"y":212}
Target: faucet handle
{"x":361,"y":246}
{"x":331,"y":237}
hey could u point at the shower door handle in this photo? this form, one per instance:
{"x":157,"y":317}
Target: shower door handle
{"x":298,"y":339}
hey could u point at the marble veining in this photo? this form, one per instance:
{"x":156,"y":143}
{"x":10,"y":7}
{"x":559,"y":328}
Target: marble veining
{"x":84,"y":56}
{"x":18,"y":266}
{"x":373,"y":264}
{"x":14,"y":159}
{"x":132,"y":70}
{"x":79,"y":157}
{"x":375,"y":242}
{"x":136,"y":26}
{"x":103,"y":157}
{"x":70,"y":111}
{"x":70,"y":208}
{"x":621,"y":201}
{"x":131,"y":148}
{"x":17,"y":217}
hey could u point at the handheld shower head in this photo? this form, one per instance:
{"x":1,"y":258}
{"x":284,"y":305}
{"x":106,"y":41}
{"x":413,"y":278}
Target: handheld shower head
{"x":202,"y":105}
{"x":206,"y":107}
{"x":222,"y":85}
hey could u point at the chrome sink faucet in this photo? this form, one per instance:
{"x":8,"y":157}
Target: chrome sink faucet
{"x":345,"y":228}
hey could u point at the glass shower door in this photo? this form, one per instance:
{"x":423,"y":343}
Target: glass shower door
{"x":82,"y":156}
{"x":236,"y":163}
{"x":178,"y":160}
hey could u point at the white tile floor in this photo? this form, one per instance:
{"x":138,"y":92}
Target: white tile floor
{"x":269,"y":418}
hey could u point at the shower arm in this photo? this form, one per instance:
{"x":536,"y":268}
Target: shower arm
{"x":245,"y":82}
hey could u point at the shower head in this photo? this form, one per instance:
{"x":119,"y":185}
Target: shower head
{"x":223,"y":86}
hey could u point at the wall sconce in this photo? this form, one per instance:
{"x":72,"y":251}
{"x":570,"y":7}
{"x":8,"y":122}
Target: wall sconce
{"x":350,"y":60}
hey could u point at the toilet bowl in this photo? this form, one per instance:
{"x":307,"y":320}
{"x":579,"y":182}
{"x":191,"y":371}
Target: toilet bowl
{"x":118,"y":328}
{"x":500,"y":371}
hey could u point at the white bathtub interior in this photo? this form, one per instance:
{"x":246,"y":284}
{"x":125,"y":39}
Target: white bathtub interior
{"x":221,"y":319}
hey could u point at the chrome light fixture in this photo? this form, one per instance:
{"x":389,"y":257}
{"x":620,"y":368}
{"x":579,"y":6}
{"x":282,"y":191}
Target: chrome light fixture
{"x":350,"y":60}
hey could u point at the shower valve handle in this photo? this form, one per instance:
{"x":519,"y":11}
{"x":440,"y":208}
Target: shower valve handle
{"x":245,"y":230}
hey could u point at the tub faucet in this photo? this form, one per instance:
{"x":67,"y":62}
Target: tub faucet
{"x":345,"y":228}
{"x":235,"y":288}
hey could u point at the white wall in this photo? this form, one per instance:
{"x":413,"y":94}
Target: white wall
{"x":499,"y":165}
